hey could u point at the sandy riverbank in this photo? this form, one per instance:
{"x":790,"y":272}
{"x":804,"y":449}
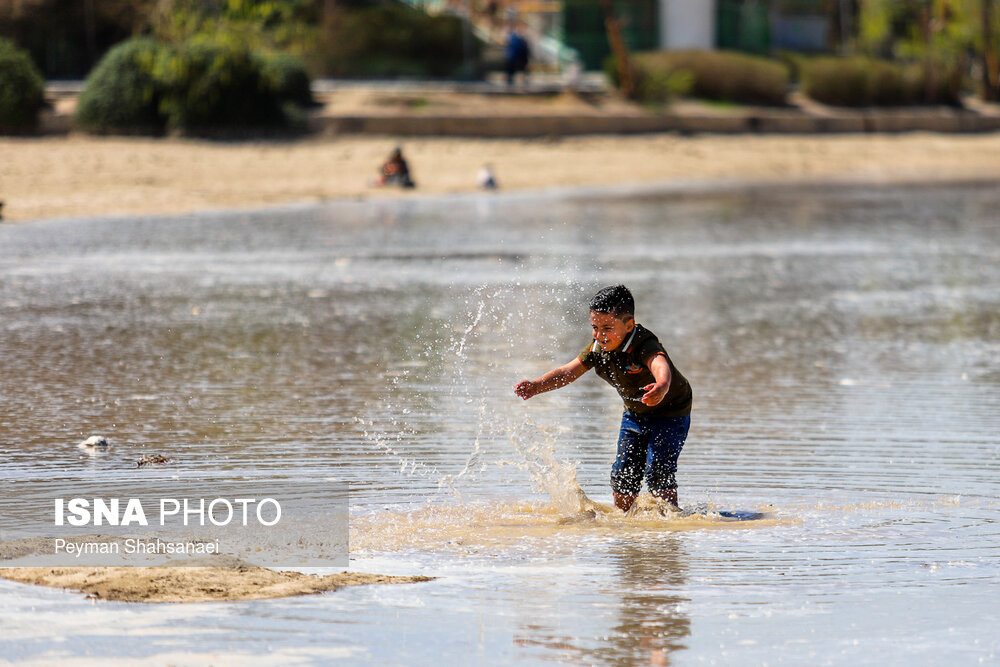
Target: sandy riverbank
{"x":82,"y":176}
{"x":192,"y":584}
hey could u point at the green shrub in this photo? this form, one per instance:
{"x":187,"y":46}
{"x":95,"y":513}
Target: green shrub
{"x":263,"y":26}
{"x":395,"y":40}
{"x":654,"y":87}
{"x":148,"y":86}
{"x":794,"y":61}
{"x":944,"y":87}
{"x":837,"y":81}
{"x":123,"y":93}
{"x":713,"y":75}
{"x":659,"y":87}
{"x":287,"y":77}
{"x":211,"y":84}
{"x":22,"y":89}
{"x":862,"y":81}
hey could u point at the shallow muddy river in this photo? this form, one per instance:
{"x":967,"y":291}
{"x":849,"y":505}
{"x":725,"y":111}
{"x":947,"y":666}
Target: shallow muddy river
{"x":843,"y":346}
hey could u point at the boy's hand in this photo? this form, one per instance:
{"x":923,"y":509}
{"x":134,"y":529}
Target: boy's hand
{"x":654,"y":393}
{"x":554,"y":379}
{"x":525,"y":389}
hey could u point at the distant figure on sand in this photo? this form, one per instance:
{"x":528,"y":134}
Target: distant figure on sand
{"x":516,"y":55}
{"x":395,"y":171}
{"x":485,"y":178}
{"x":1,"y":209}
{"x":657,"y":397}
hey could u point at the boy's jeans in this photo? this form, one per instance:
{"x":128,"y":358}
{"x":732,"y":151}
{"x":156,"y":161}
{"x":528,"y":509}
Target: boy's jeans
{"x":648,"y":446}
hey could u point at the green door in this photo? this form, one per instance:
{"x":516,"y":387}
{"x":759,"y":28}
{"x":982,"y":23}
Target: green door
{"x":584,"y":30}
{"x":743,"y":25}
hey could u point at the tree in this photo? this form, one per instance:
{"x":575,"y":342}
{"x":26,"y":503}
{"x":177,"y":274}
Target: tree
{"x":618,"y":48}
{"x":990,"y":74}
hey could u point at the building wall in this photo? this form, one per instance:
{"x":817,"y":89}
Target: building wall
{"x":687,"y":24}
{"x":800,"y":33}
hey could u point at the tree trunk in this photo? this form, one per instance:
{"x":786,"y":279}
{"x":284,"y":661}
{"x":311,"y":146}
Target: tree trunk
{"x":990,"y":76}
{"x":618,"y":48}
{"x":331,"y":15}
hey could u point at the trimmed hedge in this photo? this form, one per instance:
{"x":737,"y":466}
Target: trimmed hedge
{"x":211,"y":85}
{"x":148,"y":86}
{"x":123,"y":93}
{"x":713,"y":75}
{"x":22,"y":90}
{"x":861,"y":81}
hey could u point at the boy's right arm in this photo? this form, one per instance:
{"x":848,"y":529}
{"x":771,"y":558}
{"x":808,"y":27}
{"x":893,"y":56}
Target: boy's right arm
{"x":554,"y":379}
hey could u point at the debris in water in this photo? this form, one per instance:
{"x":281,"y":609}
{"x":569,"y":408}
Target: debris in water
{"x":152,"y":459}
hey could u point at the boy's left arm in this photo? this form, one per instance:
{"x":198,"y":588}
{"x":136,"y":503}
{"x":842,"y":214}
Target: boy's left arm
{"x":660,"y":369}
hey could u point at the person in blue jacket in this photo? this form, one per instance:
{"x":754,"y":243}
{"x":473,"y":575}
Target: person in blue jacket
{"x":516,"y":55}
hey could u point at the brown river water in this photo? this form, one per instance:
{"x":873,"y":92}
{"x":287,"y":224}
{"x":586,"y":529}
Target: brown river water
{"x":843,"y":345}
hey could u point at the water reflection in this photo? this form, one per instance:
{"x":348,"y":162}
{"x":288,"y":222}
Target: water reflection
{"x":653,"y":622}
{"x":642,"y":609}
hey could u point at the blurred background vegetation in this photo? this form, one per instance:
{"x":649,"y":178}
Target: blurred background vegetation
{"x":876,"y":53}
{"x":188,"y":65}
{"x":21,"y":89}
{"x":154,"y":66}
{"x":67,"y":38}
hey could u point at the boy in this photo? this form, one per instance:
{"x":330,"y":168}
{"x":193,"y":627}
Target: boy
{"x":657,"y":397}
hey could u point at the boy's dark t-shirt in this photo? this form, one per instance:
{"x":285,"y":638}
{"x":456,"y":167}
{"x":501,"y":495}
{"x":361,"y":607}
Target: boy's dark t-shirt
{"x":625,"y":370}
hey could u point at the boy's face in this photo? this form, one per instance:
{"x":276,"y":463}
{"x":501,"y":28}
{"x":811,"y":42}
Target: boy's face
{"x":609,"y":331}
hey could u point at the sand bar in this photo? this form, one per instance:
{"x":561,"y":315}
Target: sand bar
{"x":86,"y":176}
{"x":192,"y":584}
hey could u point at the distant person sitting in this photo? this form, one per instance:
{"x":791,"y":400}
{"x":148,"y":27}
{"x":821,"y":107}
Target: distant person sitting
{"x":395,"y":171}
{"x":486,"y":179}
{"x":516,"y":55}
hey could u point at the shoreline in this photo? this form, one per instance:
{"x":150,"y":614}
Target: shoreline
{"x":193,"y":582}
{"x":79,"y":176}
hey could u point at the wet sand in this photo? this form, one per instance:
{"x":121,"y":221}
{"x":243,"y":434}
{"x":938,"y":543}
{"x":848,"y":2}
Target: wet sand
{"x":192,"y":584}
{"x":83,"y":176}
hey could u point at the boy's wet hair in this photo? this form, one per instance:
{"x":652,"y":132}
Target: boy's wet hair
{"x":615,"y":300}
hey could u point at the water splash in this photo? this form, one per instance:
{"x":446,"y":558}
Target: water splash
{"x":535,"y":445}
{"x":513,"y":528}
{"x":489,"y":327}
{"x":382,"y":441}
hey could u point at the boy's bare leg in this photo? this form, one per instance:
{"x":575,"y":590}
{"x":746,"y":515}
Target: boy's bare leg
{"x":670,"y":495}
{"x":622,"y":501}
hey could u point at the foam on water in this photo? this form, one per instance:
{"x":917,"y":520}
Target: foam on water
{"x":497,"y":527}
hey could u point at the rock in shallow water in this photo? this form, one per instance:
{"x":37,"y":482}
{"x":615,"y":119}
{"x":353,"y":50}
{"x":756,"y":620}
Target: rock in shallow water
{"x":94,"y":442}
